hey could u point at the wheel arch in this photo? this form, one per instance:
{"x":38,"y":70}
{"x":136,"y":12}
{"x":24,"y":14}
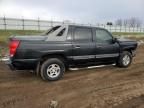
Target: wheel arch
{"x":44,"y":57}
{"x":129,"y":49}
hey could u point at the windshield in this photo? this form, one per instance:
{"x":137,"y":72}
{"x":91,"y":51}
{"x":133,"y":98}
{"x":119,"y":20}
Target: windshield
{"x":51,"y":30}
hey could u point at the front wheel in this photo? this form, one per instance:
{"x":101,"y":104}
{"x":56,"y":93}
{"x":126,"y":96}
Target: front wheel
{"x":125,"y":59}
{"x":52,"y":69}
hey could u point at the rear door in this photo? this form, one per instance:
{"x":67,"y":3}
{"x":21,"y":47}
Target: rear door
{"x":106,"y":50}
{"x":83,"y":45}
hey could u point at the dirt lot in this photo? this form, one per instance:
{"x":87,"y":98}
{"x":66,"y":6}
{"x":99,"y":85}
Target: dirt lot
{"x":105,"y":87}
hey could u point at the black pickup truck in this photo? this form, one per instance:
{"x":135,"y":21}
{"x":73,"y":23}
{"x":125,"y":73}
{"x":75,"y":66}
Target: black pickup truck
{"x":61,"y":47}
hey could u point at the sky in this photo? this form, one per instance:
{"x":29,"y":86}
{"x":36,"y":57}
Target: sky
{"x":81,"y":11}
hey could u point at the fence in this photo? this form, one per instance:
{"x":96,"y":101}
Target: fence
{"x":29,"y":24}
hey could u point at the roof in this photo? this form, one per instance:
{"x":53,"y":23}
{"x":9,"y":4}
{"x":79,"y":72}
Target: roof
{"x":82,"y":25}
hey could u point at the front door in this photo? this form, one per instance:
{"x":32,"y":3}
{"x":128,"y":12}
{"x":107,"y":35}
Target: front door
{"x":106,"y":50}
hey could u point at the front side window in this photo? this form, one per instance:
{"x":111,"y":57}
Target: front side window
{"x":103,"y":36}
{"x":83,"y":34}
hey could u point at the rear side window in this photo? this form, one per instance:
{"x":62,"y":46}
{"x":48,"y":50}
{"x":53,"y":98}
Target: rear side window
{"x":61,"y":32}
{"x":52,"y":30}
{"x":59,"y":35}
{"x":83,"y":34}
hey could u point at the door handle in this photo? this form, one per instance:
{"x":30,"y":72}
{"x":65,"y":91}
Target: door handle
{"x":99,"y":46}
{"x":77,"y":47}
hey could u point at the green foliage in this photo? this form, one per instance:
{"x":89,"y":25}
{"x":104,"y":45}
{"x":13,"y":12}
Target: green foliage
{"x":127,"y":33}
{"x":5,"y":34}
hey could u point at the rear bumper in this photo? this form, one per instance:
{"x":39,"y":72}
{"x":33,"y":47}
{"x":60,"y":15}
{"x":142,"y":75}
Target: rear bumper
{"x":8,"y":62}
{"x":22,"y":64}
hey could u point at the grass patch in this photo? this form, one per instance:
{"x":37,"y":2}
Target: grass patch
{"x":137,"y":36}
{"x":128,"y":33}
{"x":5,"y":34}
{"x":3,"y":51}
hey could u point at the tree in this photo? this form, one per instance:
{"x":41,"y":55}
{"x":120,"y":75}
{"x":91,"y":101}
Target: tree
{"x":118,"y":22}
{"x":125,"y":22}
{"x":139,"y":23}
{"x":131,"y":22}
{"x":135,"y":22}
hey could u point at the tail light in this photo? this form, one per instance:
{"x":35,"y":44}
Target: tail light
{"x":13,"y":47}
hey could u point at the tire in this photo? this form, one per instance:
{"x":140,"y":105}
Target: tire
{"x":52,"y":69}
{"x":124,"y":60}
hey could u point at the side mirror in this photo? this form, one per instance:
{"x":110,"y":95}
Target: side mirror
{"x":114,"y":40}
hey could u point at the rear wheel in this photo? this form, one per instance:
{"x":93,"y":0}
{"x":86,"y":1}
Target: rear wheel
{"x":125,"y":59}
{"x":52,"y":69}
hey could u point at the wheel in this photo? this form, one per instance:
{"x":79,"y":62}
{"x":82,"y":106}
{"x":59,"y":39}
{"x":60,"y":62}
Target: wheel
{"x":52,"y":69}
{"x":124,"y":60}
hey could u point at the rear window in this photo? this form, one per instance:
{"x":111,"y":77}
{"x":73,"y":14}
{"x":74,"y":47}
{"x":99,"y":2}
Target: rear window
{"x":52,"y":30}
